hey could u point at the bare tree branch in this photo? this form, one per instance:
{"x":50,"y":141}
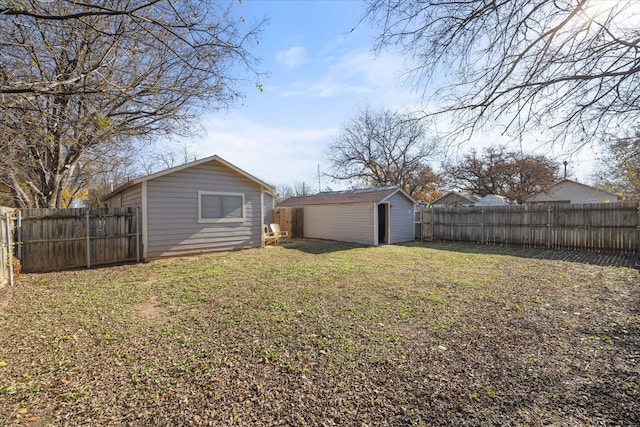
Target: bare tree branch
{"x":384,"y":148}
{"x":502,"y":172}
{"x":121,"y":72}
{"x":569,"y":67}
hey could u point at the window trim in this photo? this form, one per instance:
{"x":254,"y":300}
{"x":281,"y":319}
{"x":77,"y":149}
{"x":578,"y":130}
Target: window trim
{"x":202,"y":220}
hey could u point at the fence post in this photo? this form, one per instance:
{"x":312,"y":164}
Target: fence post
{"x":483,"y":224}
{"x":88,"y":240}
{"x":548,"y":225}
{"x":9,"y":249}
{"x":19,"y":239}
{"x":137,"y":234}
{"x":638,"y":234}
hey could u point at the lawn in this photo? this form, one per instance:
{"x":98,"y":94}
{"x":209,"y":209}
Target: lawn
{"x":325,"y":334}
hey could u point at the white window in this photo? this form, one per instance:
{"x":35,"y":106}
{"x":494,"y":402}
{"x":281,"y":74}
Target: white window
{"x":220,"y":207}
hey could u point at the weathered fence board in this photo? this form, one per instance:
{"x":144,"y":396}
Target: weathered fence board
{"x":599,"y":227}
{"x":290,"y":219}
{"x":51,"y":239}
{"x":5,"y":245}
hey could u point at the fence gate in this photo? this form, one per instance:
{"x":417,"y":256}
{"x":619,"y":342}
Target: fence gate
{"x":424,"y":224}
{"x":290,"y":219}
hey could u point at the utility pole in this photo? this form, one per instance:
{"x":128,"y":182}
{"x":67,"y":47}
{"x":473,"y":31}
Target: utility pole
{"x":565,"y":168}
{"x":319,"y":186}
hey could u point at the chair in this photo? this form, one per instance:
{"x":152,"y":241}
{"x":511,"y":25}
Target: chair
{"x":275,"y":230}
{"x":270,"y":237}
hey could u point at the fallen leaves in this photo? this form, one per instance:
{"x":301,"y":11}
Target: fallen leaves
{"x":325,"y":335}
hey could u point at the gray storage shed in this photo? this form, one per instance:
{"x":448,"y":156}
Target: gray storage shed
{"x":369,"y":216}
{"x":206,"y":205}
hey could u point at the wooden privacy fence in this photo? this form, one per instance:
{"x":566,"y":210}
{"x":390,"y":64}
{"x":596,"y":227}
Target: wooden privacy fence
{"x":50,"y":239}
{"x":611,"y":227}
{"x":290,"y":219}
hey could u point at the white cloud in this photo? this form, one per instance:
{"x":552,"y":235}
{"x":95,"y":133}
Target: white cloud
{"x":355,"y":73}
{"x":276,"y":155}
{"x":293,"y":57}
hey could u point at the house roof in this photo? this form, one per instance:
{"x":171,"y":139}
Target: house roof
{"x":493,"y":200}
{"x":216,"y":158}
{"x":471,"y":198}
{"x":569,"y":181}
{"x":361,"y":195}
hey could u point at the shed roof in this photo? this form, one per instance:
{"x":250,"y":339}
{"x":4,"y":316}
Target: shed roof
{"x":216,"y":158}
{"x":360,"y":195}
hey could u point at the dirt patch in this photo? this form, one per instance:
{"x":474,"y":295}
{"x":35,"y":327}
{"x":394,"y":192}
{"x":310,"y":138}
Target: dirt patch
{"x":149,"y":309}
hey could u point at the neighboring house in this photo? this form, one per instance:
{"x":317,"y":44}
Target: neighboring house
{"x":494,"y":200}
{"x":369,"y":216}
{"x":205,"y":205}
{"x":568,"y":191}
{"x":454,"y":199}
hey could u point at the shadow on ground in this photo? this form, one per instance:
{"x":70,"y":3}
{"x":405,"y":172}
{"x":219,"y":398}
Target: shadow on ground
{"x":584,"y":257}
{"x":317,"y":246}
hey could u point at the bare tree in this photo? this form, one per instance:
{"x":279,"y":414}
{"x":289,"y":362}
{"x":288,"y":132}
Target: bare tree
{"x":502,"y":172}
{"x":571,"y":67}
{"x":381,"y":148}
{"x":93,"y":83}
{"x":166,"y":156}
{"x":298,"y":189}
{"x":98,"y":174}
{"x":193,"y":23}
{"x":618,"y":169}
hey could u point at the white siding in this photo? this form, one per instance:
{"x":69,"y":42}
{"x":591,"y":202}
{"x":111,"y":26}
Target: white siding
{"x":401,"y":219}
{"x":172,"y":212}
{"x":569,"y":192}
{"x":351,"y":223}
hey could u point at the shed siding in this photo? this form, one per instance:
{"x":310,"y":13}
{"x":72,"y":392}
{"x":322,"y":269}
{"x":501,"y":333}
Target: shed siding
{"x":351,"y":223}
{"x":130,"y":197}
{"x":172,"y":212}
{"x":114,"y":201}
{"x":269,"y":204}
{"x":401,"y":219}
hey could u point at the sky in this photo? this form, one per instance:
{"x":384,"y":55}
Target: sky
{"x":320,"y":71}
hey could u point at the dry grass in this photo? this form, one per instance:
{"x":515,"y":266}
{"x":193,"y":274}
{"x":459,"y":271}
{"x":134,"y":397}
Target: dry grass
{"x":325,"y":334}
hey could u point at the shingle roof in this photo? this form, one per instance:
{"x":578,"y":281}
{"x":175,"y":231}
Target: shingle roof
{"x":362,"y":195}
{"x":270,"y":189}
{"x":471,"y":198}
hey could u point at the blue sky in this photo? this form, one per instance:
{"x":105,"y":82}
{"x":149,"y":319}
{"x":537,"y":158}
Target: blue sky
{"x":320,"y":72}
